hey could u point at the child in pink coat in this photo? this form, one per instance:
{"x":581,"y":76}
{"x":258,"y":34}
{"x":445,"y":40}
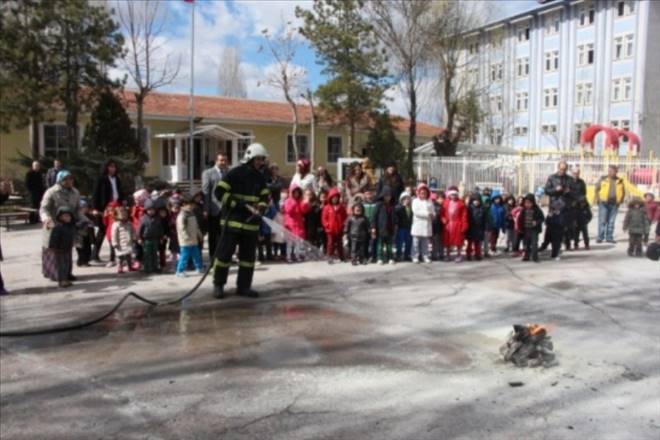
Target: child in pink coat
{"x":295,"y":209}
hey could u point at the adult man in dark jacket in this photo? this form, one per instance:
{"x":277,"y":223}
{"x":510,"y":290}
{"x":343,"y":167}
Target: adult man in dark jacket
{"x":35,"y":184}
{"x":561,"y":186}
{"x":243,"y":194}
{"x":210,"y":179}
{"x":107,"y":189}
{"x":51,"y":175}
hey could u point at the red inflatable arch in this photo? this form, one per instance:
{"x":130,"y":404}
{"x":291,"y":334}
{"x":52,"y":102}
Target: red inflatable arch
{"x":611,"y":136}
{"x":634,"y":144}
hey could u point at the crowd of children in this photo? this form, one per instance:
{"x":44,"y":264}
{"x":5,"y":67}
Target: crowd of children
{"x":420,"y":226}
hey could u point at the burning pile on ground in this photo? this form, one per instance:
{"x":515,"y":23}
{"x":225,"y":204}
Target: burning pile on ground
{"x":529,"y":346}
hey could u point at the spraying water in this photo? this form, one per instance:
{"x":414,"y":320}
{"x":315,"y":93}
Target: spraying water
{"x":305,"y":248}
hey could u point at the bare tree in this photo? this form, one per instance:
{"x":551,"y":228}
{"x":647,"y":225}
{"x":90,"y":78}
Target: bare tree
{"x":231,"y":82}
{"x":143,"y":23}
{"x":461,"y":103}
{"x":406,"y":30}
{"x":287,"y":77}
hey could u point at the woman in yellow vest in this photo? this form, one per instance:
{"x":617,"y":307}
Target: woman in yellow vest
{"x":610,"y":192}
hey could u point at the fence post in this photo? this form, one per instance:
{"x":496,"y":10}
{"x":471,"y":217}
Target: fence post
{"x":464,"y":172}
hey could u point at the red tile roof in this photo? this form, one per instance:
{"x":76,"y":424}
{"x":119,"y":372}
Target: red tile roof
{"x":240,"y":110}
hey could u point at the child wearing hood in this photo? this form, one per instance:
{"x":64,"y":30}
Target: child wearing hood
{"x":383,"y":227}
{"x":530,"y":224}
{"x":150,"y":235}
{"x":496,"y":223}
{"x":122,"y":239}
{"x":510,"y":206}
{"x":652,"y":213}
{"x":60,"y":243}
{"x":137,"y":212}
{"x":369,"y":206}
{"x":403,"y":223}
{"x":313,"y":226}
{"x":295,"y":209}
{"x":583,"y":216}
{"x":555,"y":227}
{"x":357,"y":231}
{"x":108,"y":219}
{"x":173,"y":234}
{"x":437,"y":246}
{"x":188,"y":238}
{"x":636,"y":223}
{"x":333,"y":218}
{"x":518,"y":232}
{"x":165,"y":221}
{"x":455,"y":221}
{"x":422,"y":228}
{"x":477,"y":219}
{"x":85,"y":236}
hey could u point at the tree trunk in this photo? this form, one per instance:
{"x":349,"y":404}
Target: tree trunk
{"x":412,"y":129}
{"x":139,"y":108}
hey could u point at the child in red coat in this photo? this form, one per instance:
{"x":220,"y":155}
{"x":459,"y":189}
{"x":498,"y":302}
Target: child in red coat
{"x":455,"y":221}
{"x":295,"y":209}
{"x":333,"y":218}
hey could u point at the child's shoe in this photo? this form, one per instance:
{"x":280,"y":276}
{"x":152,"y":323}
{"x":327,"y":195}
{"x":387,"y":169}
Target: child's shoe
{"x":64,"y":284}
{"x":354,"y":262}
{"x":381,"y":262}
{"x":181,"y":275}
{"x":427,"y":260}
{"x":392,"y":262}
{"x":557,"y":258}
{"x":111,"y":264}
{"x":415,"y":260}
{"x":120,"y":268}
{"x":459,"y":259}
{"x":364,"y":262}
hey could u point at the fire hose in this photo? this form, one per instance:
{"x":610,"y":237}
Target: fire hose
{"x":82,"y":324}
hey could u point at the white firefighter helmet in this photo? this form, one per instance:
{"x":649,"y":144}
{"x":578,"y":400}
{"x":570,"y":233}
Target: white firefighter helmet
{"x":254,"y":150}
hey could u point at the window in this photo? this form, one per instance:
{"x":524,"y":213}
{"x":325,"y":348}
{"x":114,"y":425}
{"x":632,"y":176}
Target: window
{"x":623,"y":46}
{"x":522,"y":67}
{"x":549,"y":130}
{"x":624,"y":8}
{"x":495,"y":136}
{"x":583,"y":93}
{"x":473,"y":48}
{"x":168,"y":152}
{"x":552,"y":61}
{"x":579,"y":128}
{"x":522,"y":101}
{"x":496,"y":104}
{"x":586,"y":15}
{"x":585,"y":54}
{"x":496,"y":72}
{"x":303,"y":148}
{"x":523,"y":34}
{"x":621,"y":89}
{"x":496,"y":42}
{"x":242,"y":144}
{"x":623,"y":124}
{"x":520,"y":131}
{"x":55,"y":144}
{"x":473,"y":75}
{"x":333,"y":148}
{"x":550,"y":98}
{"x":552,"y":24}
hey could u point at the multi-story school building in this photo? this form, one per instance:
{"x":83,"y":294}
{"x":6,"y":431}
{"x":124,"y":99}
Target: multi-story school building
{"x":548,"y":73}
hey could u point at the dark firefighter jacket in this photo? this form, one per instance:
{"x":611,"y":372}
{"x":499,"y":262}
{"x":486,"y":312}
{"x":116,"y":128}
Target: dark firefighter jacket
{"x":242,"y":186}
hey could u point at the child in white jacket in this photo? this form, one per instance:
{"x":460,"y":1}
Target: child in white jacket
{"x":422,"y":224}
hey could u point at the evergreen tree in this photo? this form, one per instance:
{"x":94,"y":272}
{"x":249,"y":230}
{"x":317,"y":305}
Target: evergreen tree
{"x":347,"y":47}
{"x":109,"y":130}
{"x":383,"y":146}
{"x":27,"y":85}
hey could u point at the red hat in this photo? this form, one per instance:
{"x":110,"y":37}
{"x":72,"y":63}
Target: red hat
{"x":422,"y":186}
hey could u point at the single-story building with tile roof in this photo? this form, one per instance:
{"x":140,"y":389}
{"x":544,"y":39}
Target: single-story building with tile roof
{"x":226,"y":125}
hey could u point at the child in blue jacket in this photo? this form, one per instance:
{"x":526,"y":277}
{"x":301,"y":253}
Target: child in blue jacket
{"x":497,"y":222}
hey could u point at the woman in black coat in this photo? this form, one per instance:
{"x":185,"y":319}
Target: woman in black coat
{"x":107,"y":189}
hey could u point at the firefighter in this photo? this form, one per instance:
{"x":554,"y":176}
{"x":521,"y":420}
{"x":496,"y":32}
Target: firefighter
{"x":243,"y":195}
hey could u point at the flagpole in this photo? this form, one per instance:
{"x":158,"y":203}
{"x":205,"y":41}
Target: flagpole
{"x":192,"y":97}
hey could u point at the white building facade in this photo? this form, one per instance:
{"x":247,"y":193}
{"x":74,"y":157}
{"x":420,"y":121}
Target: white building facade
{"x":547,"y":74}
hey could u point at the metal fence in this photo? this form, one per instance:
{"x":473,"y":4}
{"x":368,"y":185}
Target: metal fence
{"x":524,"y":174}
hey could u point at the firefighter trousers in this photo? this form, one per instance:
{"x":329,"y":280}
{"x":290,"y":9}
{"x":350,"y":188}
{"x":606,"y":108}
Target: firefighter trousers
{"x":247,"y":247}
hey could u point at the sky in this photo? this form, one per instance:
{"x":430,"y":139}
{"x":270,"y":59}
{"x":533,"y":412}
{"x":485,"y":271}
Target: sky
{"x":239,"y":23}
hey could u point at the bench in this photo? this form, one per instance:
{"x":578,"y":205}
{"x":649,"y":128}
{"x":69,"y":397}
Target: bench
{"x":7,"y":217}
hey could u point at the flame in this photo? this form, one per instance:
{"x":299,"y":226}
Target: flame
{"x":535,"y":329}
